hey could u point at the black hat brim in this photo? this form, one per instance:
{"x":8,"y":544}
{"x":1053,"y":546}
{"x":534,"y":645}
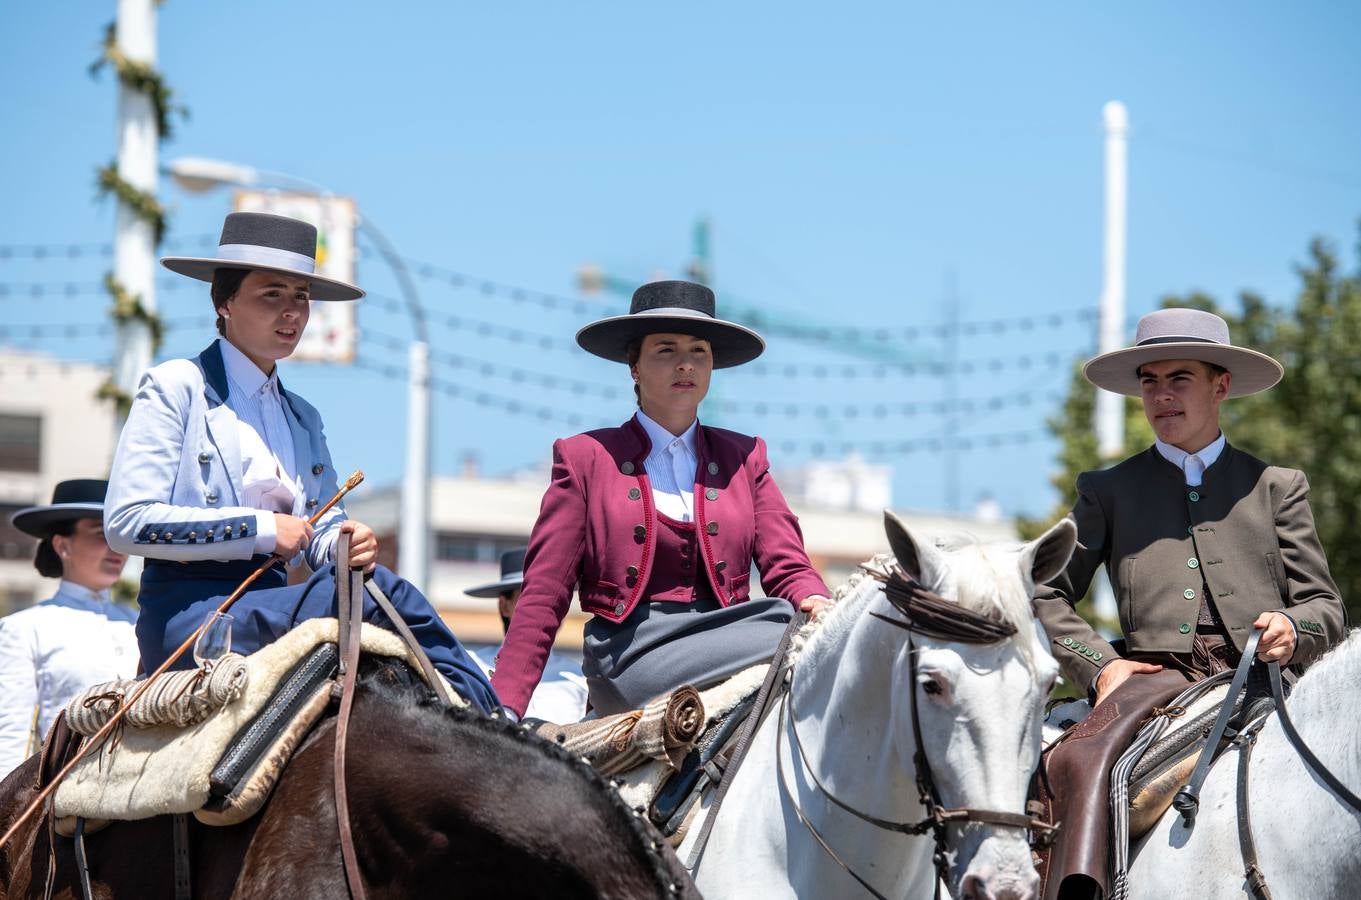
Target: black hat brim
{"x":497,"y":588}
{"x":39,"y":521}
{"x":732,"y":344}
{"x":202,"y":268}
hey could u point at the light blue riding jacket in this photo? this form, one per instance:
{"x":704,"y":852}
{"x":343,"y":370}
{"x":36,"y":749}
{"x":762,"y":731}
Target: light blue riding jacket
{"x":175,"y":491}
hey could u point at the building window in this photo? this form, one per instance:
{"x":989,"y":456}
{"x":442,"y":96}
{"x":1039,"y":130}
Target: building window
{"x":20,"y":443}
{"x":14,"y":544}
{"x":481,"y":548}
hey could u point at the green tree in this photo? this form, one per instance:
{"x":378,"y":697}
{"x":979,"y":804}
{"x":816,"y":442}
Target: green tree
{"x":1310,"y":421}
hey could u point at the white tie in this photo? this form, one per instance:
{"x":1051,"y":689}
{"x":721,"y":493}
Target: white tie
{"x":1194,"y":468}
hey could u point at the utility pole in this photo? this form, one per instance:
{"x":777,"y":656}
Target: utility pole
{"x":134,"y":245}
{"x":951,"y":391}
{"x":1110,"y":408}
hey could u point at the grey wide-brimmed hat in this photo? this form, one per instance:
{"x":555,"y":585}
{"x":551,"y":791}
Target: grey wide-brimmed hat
{"x":512,"y":575}
{"x":263,"y":241}
{"x":1183,"y":334}
{"x":672,"y":307}
{"x":79,"y":498}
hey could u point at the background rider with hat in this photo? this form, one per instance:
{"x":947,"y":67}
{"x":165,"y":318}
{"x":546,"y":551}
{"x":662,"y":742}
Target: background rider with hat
{"x":561,"y":693}
{"x":51,"y":652}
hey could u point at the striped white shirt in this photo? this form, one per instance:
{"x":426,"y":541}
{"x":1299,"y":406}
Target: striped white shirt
{"x":671,"y":468}
{"x":269,"y":478}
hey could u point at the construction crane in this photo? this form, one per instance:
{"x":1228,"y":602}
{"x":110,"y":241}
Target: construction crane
{"x":837,"y":338}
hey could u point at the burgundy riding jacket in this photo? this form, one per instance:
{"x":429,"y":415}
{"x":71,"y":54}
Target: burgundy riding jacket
{"x":597,"y":532}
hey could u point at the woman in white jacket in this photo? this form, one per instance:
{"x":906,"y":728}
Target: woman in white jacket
{"x":219,"y":466}
{"x":52,"y":651}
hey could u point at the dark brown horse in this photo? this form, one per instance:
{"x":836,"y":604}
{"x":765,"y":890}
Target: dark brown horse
{"x":443,"y":802}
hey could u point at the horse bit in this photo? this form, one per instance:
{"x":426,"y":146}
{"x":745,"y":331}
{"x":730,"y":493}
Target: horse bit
{"x":931,"y":615}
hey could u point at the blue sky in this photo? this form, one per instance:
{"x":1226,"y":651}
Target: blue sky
{"x":853,"y":161}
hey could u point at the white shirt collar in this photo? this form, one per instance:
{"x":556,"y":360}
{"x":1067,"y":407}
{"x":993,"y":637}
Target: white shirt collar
{"x":662,"y":439}
{"x":242,"y":372}
{"x":78,"y":592}
{"x":1177,"y":456}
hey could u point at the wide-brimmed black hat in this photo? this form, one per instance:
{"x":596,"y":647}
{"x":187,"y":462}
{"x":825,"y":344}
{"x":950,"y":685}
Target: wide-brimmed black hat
{"x":512,"y":575}
{"x":672,"y":307}
{"x":1178,"y":333}
{"x":79,"y":498}
{"x":253,"y":240}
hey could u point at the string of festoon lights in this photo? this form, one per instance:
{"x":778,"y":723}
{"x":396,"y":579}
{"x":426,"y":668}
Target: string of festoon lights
{"x":583,"y":307}
{"x":817,"y":446}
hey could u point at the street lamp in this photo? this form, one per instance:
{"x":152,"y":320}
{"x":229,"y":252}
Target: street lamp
{"x":196,"y":175}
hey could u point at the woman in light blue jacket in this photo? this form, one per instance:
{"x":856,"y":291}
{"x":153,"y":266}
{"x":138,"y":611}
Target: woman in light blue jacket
{"x":219,"y":466}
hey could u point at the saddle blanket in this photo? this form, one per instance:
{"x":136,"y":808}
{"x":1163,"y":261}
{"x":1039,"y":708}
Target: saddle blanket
{"x":166,"y":769}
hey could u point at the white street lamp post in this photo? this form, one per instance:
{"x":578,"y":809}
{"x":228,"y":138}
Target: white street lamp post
{"x":413,"y":542}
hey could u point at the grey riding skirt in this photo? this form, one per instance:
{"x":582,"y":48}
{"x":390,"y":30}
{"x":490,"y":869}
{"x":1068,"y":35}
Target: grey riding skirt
{"x":664,"y":645}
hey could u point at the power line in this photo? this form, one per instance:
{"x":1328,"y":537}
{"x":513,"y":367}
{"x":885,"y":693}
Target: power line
{"x":818,"y":446}
{"x":761,"y":408}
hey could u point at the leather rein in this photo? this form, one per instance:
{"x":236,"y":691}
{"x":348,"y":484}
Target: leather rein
{"x":930,"y":615}
{"x":350,"y":588}
{"x":1187,"y":800}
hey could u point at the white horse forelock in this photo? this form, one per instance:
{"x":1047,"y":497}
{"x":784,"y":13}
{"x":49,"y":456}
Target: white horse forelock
{"x":982,"y":578}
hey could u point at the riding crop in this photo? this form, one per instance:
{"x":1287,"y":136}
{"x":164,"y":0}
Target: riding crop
{"x":350,"y":484}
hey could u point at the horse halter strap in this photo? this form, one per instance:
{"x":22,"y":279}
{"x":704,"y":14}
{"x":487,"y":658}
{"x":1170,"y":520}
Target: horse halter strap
{"x":931,"y":615}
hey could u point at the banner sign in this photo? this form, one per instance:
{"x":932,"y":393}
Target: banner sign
{"x":331,"y":330}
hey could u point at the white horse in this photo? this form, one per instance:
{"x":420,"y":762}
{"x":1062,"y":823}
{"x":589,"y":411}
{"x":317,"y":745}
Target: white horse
{"x":847,"y":724}
{"x":1308,"y":843}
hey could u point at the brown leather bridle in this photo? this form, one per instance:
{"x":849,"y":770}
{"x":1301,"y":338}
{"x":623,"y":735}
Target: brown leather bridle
{"x":928,"y":614}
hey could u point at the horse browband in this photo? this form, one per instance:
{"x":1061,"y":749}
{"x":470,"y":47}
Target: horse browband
{"x":933,"y":616}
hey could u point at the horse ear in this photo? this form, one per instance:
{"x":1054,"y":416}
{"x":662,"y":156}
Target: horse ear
{"x":918,"y":560}
{"x":1045,"y":557}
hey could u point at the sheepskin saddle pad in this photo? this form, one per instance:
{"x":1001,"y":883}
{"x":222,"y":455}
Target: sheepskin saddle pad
{"x":223,"y":765}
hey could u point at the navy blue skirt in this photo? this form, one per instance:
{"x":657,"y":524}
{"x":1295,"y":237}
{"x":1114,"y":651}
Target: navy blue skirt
{"x":176,"y":598}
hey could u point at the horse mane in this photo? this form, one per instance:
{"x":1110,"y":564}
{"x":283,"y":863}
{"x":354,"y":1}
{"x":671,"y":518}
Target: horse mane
{"x":980,"y":577}
{"x":1333,"y":676}
{"x":403,"y":694}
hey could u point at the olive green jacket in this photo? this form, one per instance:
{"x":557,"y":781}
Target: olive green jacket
{"x":1247,"y":529}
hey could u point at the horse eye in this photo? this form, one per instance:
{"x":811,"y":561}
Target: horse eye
{"x":931,"y":687}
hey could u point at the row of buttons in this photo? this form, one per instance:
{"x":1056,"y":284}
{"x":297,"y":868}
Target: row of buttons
{"x":1079,"y":647}
{"x":205,"y":457}
{"x":628,"y":468}
{"x":169,"y":536}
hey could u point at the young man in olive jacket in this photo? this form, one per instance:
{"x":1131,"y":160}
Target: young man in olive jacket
{"x":1202,"y":543}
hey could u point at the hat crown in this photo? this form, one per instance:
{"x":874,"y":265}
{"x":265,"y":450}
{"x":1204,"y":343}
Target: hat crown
{"x":267,"y":230}
{"x":80,"y":490}
{"x":1173,"y":325}
{"x":513,"y":561}
{"x":673,"y":295}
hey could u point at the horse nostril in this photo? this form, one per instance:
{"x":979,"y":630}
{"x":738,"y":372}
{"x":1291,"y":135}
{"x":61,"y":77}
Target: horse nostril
{"x":973,"y":888}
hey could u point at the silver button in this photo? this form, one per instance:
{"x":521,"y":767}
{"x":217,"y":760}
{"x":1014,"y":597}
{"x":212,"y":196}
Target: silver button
{"x":713,"y":468}
{"x":318,"y":468}
{"x":711,"y":494}
{"x":193,"y":536}
{"x":204,"y":456}
{"x":626,"y":467}
{"x":210,"y":497}
{"x":243,"y":529}
{"x":619,"y":609}
{"x":167,"y":537}
{"x":227,"y":530}
{"x":311,"y":504}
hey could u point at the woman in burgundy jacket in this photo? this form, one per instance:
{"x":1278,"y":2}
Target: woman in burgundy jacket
{"x":657,"y":523}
